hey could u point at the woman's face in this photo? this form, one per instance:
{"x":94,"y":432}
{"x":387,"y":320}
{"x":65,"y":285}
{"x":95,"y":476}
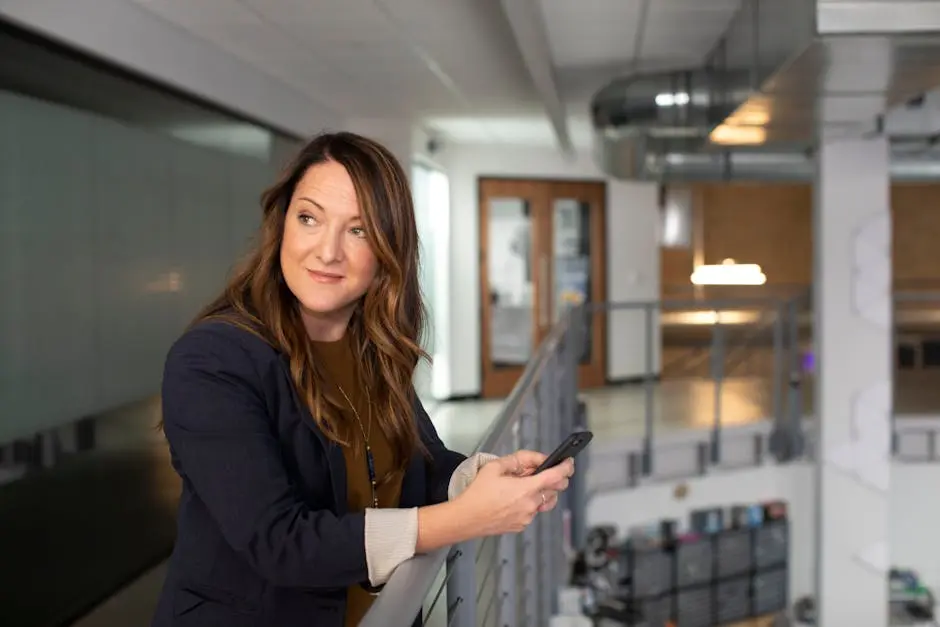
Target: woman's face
{"x":325,"y":257}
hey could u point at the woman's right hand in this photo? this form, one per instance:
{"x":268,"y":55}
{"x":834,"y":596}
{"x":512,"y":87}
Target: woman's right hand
{"x":500,"y":501}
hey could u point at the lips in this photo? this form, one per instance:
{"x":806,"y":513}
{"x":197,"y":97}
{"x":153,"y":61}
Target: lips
{"x":324,"y":277}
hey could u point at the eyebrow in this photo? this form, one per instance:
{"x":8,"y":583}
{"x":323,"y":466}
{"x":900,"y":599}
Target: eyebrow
{"x":323,"y":209}
{"x":312,"y":202}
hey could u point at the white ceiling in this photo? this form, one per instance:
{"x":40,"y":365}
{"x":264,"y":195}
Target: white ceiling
{"x":452,"y":65}
{"x":634,"y":33}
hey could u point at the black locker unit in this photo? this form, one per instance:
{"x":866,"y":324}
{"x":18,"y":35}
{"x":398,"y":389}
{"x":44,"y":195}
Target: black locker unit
{"x":656,"y":611}
{"x":734,"y":549}
{"x":694,"y":607}
{"x":771,"y":544}
{"x":711,"y":579}
{"x":769,"y":591}
{"x":733,"y":600}
{"x":652,"y":572}
{"x":695,"y":562}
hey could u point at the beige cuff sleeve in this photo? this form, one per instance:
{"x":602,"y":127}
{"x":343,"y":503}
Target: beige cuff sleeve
{"x":391,"y":537}
{"x":466,"y":472}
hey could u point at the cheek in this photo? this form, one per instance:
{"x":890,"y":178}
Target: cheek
{"x":365,"y":264}
{"x":293,"y":245}
{"x":292,"y":253}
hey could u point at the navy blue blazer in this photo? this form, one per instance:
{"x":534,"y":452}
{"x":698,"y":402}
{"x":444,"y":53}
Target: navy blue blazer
{"x":264,"y":533}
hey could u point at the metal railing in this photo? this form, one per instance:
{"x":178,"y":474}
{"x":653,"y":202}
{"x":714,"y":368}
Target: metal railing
{"x":509,"y":579}
{"x":763,"y":339}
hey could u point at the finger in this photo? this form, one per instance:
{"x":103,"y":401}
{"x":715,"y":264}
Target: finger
{"x":551,"y":476}
{"x":509,"y":464}
{"x":529,"y":460}
{"x":551,"y":500}
{"x":561,"y":486}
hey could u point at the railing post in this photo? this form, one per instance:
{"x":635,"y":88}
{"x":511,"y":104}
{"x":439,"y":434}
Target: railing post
{"x":786,"y":442}
{"x":577,"y":488}
{"x":573,"y":418}
{"x":633,"y":469}
{"x":528,"y":439}
{"x":462,"y":586}
{"x":779,"y":368}
{"x":894,"y":375}
{"x":718,"y":369}
{"x":549,"y":539}
{"x":507,"y":576}
{"x":649,"y":384}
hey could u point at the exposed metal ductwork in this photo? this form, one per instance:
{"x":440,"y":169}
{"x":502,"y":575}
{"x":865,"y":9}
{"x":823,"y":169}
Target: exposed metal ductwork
{"x":751,"y":165}
{"x":784,"y":74}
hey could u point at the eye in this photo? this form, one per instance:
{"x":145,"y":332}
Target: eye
{"x":358,"y":231}
{"x":306,"y":219}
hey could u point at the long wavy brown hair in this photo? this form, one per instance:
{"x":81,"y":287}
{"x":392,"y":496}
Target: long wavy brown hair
{"x":388,"y":322}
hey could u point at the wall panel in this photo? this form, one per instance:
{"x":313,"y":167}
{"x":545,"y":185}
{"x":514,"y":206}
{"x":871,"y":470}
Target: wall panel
{"x":771,"y":224}
{"x":111,"y":238}
{"x":916,"y":213}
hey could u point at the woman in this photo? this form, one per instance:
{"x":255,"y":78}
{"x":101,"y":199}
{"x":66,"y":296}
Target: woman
{"x":310,"y":469}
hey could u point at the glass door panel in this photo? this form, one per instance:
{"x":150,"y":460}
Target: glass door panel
{"x":511,"y":282}
{"x":572,"y":261}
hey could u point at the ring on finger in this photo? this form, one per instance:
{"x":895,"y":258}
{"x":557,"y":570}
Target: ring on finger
{"x":544,"y":502}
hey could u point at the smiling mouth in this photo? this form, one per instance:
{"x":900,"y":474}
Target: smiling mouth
{"x":325,"y":277}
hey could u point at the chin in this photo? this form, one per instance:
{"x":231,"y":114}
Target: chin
{"x":321,"y":305}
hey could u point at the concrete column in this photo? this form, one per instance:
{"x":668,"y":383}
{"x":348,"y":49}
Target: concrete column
{"x":853,"y":318}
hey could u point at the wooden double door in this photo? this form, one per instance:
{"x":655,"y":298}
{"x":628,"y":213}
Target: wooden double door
{"x":542,"y":247}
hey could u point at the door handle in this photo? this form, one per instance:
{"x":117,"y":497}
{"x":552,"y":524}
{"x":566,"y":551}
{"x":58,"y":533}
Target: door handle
{"x":544,"y":293}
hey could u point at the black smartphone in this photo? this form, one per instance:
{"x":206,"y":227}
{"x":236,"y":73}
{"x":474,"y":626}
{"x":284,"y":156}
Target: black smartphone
{"x":572,"y":445}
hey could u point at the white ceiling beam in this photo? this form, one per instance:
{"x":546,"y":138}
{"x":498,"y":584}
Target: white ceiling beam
{"x":528,"y":26}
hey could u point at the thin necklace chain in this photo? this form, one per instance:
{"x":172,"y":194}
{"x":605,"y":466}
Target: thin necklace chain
{"x":370,"y":461}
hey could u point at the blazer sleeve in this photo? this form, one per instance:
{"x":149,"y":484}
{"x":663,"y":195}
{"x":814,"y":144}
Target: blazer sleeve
{"x":217,"y":424}
{"x":443,"y":461}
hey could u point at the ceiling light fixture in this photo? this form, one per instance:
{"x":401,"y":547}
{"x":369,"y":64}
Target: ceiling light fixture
{"x":729,"y":135}
{"x":679,"y":99}
{"x":728,"y":272}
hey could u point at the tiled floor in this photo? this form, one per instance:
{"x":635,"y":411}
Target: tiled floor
{"x":613,"y":411}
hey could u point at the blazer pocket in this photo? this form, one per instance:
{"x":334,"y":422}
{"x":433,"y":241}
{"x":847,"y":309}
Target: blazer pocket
{"x":212,"y":606}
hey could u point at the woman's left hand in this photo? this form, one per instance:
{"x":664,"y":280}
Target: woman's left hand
{"x":525,"y":462}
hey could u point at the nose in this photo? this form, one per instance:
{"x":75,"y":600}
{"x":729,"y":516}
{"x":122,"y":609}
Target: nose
{"x":329,"y":245}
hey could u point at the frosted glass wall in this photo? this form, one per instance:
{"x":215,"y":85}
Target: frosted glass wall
{"x":432,"y":198}
{"x":111,"y":238}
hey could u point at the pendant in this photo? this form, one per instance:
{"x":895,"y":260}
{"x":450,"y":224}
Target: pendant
{"x":370,"y":461}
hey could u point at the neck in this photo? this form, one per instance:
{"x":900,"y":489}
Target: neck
{"x":329,"y":327}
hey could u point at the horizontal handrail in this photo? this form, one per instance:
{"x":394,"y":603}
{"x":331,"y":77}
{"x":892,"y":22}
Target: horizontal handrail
{"x":671,"y":304}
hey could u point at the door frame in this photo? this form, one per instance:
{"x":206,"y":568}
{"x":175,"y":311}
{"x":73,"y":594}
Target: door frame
{"x":497,"y":383}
